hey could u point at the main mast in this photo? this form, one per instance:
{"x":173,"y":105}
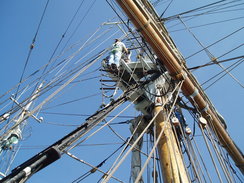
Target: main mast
{"x":155,"y":35}
{"x":173,"y":169}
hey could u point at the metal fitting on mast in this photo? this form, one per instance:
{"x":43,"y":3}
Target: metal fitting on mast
{"x":158,"y":99}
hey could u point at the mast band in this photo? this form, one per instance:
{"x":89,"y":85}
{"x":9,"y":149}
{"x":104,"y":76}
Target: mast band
{"x":205,"y":108}
{"x":182,"y":75}
{"x":195,"y":93}
{"x":144,"y":26}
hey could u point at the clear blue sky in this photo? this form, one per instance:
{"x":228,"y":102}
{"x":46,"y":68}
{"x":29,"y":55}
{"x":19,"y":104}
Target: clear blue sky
{"x":18,"y":24}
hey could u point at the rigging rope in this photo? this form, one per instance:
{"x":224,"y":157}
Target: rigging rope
{"x":212,"y":23}
{"x":193,"y":10}
{"x":72,"y":101}
{"x":179,"y":85}
{"x":43,"y":75}
{"x":166,"y":9}
{"x":213,"y":63}
{"x":211,"y":155}
{"x":127,"y":144}
{"x":84,"y":162}
{"x":76,"y":114}
{"x":219,"y":155}
{"x":33,"y":42}
{"x":202,"y":160}
{"x":29,"y":53}
{"x":58,"y":90}
{"x":134,"y":144}
{"x":216,"y":11}
{"x":234,"y":65}
{"x":79,"y":24}
{"x":225,"y":37}
{"x":205,"y":13}
{"x":95,"y":168}
{"x":32,"y":94}
{"x":125,"y":108}
{"x":210,"y":55}
{"x":61,"y":39}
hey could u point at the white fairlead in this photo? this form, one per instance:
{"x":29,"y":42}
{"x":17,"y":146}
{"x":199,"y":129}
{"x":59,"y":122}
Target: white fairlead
{"x":27,"y":171}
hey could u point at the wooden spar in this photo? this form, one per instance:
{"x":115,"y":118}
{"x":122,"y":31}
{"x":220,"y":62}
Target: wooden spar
{"x":171,"y":161}
{"x":155,"y":38}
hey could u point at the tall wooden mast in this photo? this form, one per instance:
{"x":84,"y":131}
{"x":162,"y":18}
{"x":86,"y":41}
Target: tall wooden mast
{"x":158,"y":40}
{"x":173,"y":169}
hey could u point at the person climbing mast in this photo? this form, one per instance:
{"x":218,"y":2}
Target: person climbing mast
{"x":116,"y":53}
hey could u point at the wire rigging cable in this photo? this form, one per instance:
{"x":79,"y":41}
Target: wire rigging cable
{"x":46,"y":88}
{"x":62,"y":37}
{"x":76,"y":114}
{"x":30,"y":51}
{"x":213,"y":9}
{"x":166,"y":9}
{"x":94,"y":169}
{"x":44,"y":75}
{"x":134,"y":144}
{"x":79,"y":24}
{"x":32,"y":45}
{"x":211,"y":63}
{"x":193,"y":10}
{"x":72,"y":101}
{"x":225,"y":37}
{"x":62,"y":77}
{"x":71,"y":147}
{"x":216,"y":11}
{"x":211,"y":23}
{"x":37,"y":108}
{"x":233,"y":67}
{"x":210,"y":55}
{"x":129,"y":140}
